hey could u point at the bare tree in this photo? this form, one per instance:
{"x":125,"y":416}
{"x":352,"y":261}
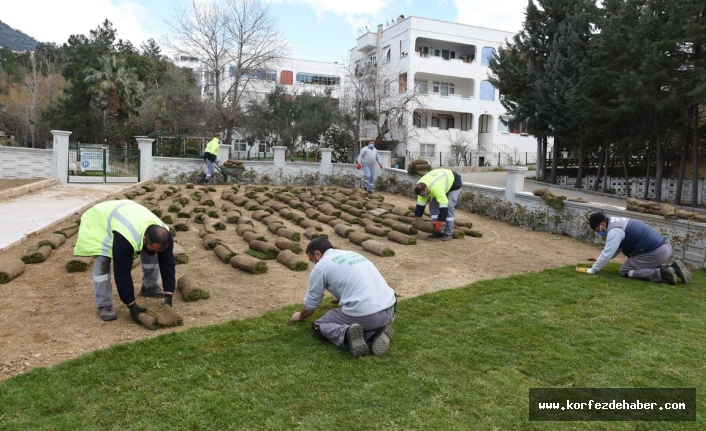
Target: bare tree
{"x":383,"y":103}
{"x":34,"y":94}
{"x":237,"y":40}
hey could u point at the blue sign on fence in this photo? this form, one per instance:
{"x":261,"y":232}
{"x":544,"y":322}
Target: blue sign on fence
{"x":92,"y":161}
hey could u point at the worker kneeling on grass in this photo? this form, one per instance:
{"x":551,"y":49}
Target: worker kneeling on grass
{"x":119,"y":231}
{"x":367,"y":304}
{"x":440,"y":187}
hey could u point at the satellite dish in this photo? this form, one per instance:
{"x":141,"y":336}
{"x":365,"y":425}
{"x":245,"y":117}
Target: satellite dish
{"x":359,"y":32}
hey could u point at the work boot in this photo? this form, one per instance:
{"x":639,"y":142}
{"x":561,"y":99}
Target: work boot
{"x":435,"y":235}
{"x":317,"y":332}
{"x":106,"y":313}
{"x":152,"y":291}
{"x":447,"y":237}
{"x":381,"y":341}
{"x":668,"y":275}
{"x":681,"y":271}
{"x":356,"y":342}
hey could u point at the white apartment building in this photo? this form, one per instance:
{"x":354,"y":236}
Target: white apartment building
{"x":296,"y":75}
{"x":447,"y":65}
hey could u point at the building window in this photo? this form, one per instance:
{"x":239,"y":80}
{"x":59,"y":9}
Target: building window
{"x":487,"y":91}
{"x":426,"y":150}
{"x":486,"y":55}
{"x":442,"y":121}
{"x":309,"y":78}
{"x":503,"y":124}
{"x":404,"y":48}
{"x":448,"y":55}
{"x":240,"y":146}
{"x":420,"y":86}
{"x":520,"y":128}
{"x":387,"y":55}
{"x":419,"y":120}
{"x":267,"y":75}
{"x":443,"y":88}
{"x":262,"y":148}
{"x":231,"y":72}
{"x":210,"y":78}
{"x":403,"y":82}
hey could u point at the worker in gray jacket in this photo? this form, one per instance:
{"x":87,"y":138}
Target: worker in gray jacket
{"x":367,"y":159}
{"x":362,"y":322}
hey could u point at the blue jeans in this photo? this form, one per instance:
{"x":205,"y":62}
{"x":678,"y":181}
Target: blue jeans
{"x":369,"y":175}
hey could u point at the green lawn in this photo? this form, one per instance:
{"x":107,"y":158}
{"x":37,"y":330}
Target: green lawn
{"x":461,"y":359}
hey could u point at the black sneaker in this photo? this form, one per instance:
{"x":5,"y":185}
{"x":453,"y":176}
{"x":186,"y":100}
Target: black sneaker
{"x":681,"y":271}
{"x":435,"y":235}
{"x":106,"y":313}
{"x":381,"y":341}
{"x":668,"y":275}
{"x":152,"y":291}
{"x":447,"y":237}
{"x":356,"y":342}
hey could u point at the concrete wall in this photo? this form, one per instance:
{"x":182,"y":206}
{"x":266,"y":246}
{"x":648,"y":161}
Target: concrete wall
{"x":25,"y":163}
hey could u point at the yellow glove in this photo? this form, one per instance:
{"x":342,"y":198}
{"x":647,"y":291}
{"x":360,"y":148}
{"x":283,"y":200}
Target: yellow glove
{"x":584,"y":270}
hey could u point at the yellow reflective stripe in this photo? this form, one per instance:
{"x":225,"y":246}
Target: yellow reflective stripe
{"x":107,"y":241}
{"x":115,"y":215}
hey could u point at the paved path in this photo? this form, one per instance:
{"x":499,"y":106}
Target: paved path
{"x":24,"y":215}
{"x":498,"y":179}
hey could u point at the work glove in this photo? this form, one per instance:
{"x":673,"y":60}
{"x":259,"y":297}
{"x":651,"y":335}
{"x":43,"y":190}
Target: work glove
{"x":135,"y":311}
{"x":585,"y":270}
{"x":439,"y":225}
{"x":358,"y":166}
{"x":167,"y":300}
{"x":380,"y":165}
{"x":592,"y":259}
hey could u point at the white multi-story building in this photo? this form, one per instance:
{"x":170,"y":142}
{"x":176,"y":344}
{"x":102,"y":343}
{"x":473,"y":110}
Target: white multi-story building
{"x":446,"y":65}
{"x":296,"y":75}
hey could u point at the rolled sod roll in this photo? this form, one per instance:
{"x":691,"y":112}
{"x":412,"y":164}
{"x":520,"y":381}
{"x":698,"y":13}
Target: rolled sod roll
{"x":468,"y":232}
{"x":252,"y":236}
{"x":200,"y":210}
{"x":335,"y":222}
{"x":286,"y":244}
{"x":312,"y":233}
{"x":183,"y":200}
{"x":259,"y":215}
{"x":312,"y":213}
{"x":274,"y":227}
{"x":268,"y":250}
{"x":249,"y":264}
{"x":296,"y":217}
{"x":180,"y":255}
{"x":343,"y":230}
{"x":358,"y":237}
{"x":214,"y":223}
{"x":213,"y":213}
{"x":240,"y":200}
{"x":206,"y":200}
{"x":246,"y":220}
{"x":242,"y":228}
{"x":423,"y":225}
{"x":205,"y":230}
{"x":293,"y":261}
{"x":377,"y":248}
{"x":210,"y":241}
{"x":377,"y":212}
{"x":458,"y":234}
{"x":167,"y":218}
{"x":155,"y":210}
{"x":78,"y":263}
{"x":54,"y":240}
{"x":326,"y":219}
{"x":181,"y":224}
{"x":67,"y":231}
{"x":163,"y":316}
{"x":263,"y":199}
{"x":289,"y":234}
{"x":350,"y":218}
{"x":175,"y":207}
{"x":200,"y":217}
{"x":356,"y":211}
{"x":466,"y":224}
{"x":401,"y":238}
{"x":36,"y":254}
{"x":329,"y":209}
{"x":373,"y":206}
{"x":405,"y":219}
{"x":225,"y":194}
{"x":376,"y":230}
{"x":271,"y":219}
{"x":389,"y":221}
{"x":191,"y":289}
{"x":11,"y":269}
{"x":251,"y":205}
{"x":404,"y":228}
{"x":400,"y":211}
{"x":367,"y":222}
{"x":150,"y":187}
{"x":232,"y":216}
{"x":277,"y":206}
{"x":224,"y":253}
{"x":184,"y":213}
{"x":310,"y":223}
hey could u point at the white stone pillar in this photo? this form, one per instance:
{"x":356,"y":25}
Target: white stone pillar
{"x":515,"y":181}
{"x":60,"y":156}
{"x":146,"y":160}
{"x":280,"y":164}
{"x":326,"y":167}
{"x":223,"y":153}
{"x":385,"y":157}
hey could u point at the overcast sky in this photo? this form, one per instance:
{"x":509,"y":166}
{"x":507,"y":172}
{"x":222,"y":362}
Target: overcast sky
{"x":322,"y":30}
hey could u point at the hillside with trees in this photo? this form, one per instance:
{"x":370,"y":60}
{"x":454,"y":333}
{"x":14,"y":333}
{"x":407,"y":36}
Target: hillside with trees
{"x":15,"y":40}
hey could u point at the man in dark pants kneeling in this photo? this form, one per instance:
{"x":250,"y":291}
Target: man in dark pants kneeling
{"x":367,"y":304}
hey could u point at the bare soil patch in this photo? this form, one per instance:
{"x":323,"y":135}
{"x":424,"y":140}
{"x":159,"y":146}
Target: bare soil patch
{"x":47,"y":315}
{"x":12,"y":183}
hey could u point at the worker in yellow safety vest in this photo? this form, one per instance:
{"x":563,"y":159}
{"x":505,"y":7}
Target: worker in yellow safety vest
{"x":210,"y":155}
{"x":440,"y":187}
{"x":120,"y":231}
